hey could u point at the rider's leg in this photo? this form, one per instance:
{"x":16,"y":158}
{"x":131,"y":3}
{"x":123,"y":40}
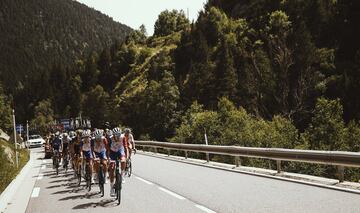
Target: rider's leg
{"x":104,"y":164}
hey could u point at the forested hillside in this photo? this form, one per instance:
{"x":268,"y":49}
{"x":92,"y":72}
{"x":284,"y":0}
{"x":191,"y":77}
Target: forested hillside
{"x":39,"y":36}
{"x":250,"y":73}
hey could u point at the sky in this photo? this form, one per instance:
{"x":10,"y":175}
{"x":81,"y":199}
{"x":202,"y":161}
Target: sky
{"x":137,"y":12}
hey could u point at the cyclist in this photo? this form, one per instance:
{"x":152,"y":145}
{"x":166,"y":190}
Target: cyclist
{"x":65,"y":141}
{"x":57,"y":146}
{"x":100,"y":151}
{"x":76,"y":150}
{"x":72,"y":136}
{"x":86,"y":149}
{"x":129,"y":143}
{"x":109,"y":135}
{"x":116,"y":152}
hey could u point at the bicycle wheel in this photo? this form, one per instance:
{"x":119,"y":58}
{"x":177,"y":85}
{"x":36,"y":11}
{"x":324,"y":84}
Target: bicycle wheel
{"x":79,"y":175}
{"x":129,"y":172}
{"x":65,"y":164}
{"x":101,"y":181}
{"x":88,"y":178}
{"x":118,"y":187}
{"x":57,"y":165}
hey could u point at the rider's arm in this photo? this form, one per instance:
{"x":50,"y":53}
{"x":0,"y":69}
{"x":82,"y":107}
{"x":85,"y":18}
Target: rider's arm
{"x":107,"y":145}
{"x":132,"y":141}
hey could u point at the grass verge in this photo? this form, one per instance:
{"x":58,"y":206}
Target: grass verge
{"x":8,"y":170}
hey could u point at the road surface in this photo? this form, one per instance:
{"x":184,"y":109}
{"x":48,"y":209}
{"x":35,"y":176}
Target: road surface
{"x":160,"y":185}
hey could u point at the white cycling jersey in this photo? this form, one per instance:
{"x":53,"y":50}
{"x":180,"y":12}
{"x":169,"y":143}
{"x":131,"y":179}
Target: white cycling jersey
{"x":116,"y":145}
{"x":86,"y":146}
{"x":100,"y":146}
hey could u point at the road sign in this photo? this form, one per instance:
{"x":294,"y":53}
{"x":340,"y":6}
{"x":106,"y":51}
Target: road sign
{"x":19,"y":128}
{"x":66,"y":123}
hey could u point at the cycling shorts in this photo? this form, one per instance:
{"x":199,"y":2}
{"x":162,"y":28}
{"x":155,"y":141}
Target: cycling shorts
{"x":101,"y":155}
{"x":65,"y":146}
{"x":88,"y":154}
{"x":116,"y":155}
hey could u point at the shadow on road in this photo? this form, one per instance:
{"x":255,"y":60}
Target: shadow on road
{"x":82,"y":196}
{"x":54,"y":186}
{"x":57,"y":181}
{"x":102,"y":203}
{"x":61,"y":175}
{"x":62,"y":192}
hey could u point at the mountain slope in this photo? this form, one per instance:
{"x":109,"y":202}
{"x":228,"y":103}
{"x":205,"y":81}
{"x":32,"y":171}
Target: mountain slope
{"x":36,"y":34}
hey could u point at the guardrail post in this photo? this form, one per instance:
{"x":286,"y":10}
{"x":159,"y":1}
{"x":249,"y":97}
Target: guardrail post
{"x":278,"y":166}
{"x":186,"y":154}
{"x":155,"y":150}
{"x":341,"y":173}
{"x":168,"y":151}
{"x":237,"y":161}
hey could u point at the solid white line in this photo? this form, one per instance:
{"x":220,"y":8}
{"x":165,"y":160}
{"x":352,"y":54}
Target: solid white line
{"x":40,"y":176}
{"x":205,"y":209}
{"x":43,"y":167}
{"x":145,"y":181}
{"x":35,"y":192}
{"x":172,"y":193}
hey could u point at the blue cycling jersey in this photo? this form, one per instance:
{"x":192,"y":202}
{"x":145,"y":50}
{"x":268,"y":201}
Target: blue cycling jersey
{"x":56,"y":143}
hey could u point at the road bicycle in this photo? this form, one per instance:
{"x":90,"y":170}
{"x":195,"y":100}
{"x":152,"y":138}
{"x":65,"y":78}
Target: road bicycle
{"x":66,"y":161}
{"x":101,"y":176}
{"x":128,"y":167}
{"x":87,"y":175}
{"x":118,"y":181}
{"x":56,"y":163}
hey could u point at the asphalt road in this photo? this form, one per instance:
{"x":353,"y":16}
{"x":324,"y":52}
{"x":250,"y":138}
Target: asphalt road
{"x":160,"y":185}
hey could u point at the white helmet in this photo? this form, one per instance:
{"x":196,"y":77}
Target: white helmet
{"x":117,"y":131}
{"x":109,"y":132}
{"x":86,"y":133}
{"x":98,"y":133}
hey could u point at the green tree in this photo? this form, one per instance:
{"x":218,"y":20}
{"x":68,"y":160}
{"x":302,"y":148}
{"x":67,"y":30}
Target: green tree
{"x":5,"y":112}
{"x":226,"y":76}
{"x":161,"y":106}
{"x":169,"y":22}
{"x":91,"y":73}
{"x":279,"y":29}
{"x":75,"y":96}
{"x":326,"y":130}
{"x":95,"y":106}
{"x":44,"y":116}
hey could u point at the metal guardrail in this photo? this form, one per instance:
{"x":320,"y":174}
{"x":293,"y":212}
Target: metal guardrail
{"x":336,"y":158}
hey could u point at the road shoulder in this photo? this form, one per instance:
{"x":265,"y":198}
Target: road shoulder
{"x":16,"y":196}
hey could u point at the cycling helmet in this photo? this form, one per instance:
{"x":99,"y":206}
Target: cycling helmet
{"x":127,"y":131}
{"x":86,"y":133}
{"x":79,"y":132}
{"x":72,"y":134}
{"x":109,"y":132}
{"x":98,"y":133}
{"x":116,"y":131}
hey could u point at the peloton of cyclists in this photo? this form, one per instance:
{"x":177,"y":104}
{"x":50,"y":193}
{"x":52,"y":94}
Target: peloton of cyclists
{"x":96,"y":147}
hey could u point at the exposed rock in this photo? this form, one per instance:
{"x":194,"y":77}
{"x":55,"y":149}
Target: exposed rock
{"x":9,"y":153}
{"x":3,"y":135}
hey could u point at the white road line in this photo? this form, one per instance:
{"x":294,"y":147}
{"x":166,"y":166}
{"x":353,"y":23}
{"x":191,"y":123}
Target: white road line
{"x":40,"y":176}
{"x":43,"y":167}
{"x":172,"y":193}
{"x":145,"y":181}
{"x":205,"y":209}
{"x":35,"y":192}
